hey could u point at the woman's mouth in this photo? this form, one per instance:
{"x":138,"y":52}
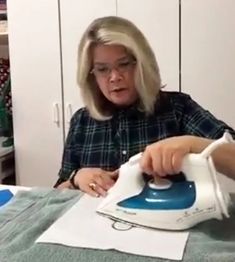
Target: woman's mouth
{"x":117,"y":90}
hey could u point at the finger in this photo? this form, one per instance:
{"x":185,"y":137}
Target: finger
{"x":146,"y":162}
{"x":177,"y":160}
{"x":167,"y":164}
{"x":112,"y":178}
{"x":104,"y":181}
{"x":108,"y":182}
{"x":114,"y":175}
{"x":98,"y":189}
{"x":108,"y":179}
{"x":157,"y":162}
{"x":90,"y":191}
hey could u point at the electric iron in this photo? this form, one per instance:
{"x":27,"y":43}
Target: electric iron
{"x":168,"y":205}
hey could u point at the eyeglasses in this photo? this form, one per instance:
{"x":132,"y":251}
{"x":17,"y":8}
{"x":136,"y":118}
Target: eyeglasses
{"x":104,"y":70}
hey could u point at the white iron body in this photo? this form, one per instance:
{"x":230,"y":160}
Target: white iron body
{"x":210,"y":202}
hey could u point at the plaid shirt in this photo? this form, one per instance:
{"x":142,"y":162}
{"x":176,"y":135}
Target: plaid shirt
{"x":108,"y":144}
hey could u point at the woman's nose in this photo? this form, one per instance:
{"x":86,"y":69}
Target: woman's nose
{"x":114,"y":75}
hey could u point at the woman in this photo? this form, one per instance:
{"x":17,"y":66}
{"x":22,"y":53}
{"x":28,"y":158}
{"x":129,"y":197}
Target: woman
{"x":126,"y":112}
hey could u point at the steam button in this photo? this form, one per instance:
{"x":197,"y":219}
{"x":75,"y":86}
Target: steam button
{"x":160,"y":183}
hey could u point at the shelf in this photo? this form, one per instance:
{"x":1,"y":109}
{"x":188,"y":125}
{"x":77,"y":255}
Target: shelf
{"x":5,"y":150}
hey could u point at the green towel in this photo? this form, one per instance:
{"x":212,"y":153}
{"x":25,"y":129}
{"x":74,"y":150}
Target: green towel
{"x":30,"y":213}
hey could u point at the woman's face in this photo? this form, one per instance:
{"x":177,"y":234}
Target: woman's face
{"x":114,"y":71}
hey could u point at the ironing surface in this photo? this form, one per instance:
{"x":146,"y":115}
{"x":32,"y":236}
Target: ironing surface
{"x":166,"y":204}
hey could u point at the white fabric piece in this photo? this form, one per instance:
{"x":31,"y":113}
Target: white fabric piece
{"x":81,"y":226}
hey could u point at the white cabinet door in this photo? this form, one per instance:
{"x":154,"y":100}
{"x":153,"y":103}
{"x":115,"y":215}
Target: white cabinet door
{"x":75,"y":16}
{"x":36,"y":87}
{"x":159,"y":21}
{"x":208,"y":55}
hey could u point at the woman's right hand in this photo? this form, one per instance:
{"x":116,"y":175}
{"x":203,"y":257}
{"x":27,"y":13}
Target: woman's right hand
{"x":95,"y":181}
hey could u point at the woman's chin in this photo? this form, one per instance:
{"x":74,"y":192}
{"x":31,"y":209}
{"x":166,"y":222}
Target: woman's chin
{"x":122,"y":103}
{"x":122,"y":100}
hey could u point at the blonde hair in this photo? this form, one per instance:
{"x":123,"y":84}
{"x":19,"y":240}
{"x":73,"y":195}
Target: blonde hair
{"x":119,"y":31}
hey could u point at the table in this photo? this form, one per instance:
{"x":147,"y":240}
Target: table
{"x":36,"y":209}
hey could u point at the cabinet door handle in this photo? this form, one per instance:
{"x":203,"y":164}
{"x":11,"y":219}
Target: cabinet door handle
{"x":69,"y":111}
{"x":56,"y":115}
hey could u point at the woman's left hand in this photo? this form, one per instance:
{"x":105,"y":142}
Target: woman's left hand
{"x":165,"y":157}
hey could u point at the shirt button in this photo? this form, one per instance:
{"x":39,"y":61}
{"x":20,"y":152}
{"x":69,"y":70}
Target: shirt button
{"x":124,"y":152}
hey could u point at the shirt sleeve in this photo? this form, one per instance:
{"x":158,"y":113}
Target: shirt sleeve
{"x":195,"y":120}
{"x":71,"y":159}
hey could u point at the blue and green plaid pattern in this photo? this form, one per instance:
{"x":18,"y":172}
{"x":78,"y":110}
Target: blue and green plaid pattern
{"x":108,"y":144}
